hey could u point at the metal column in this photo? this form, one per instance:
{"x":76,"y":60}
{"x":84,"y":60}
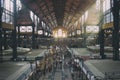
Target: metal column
{"x":1,"y":10}
{"x":102,"y":44}
{"x":5,"y":40}
{"x":116,"y":29}
{"x":33,"y":36}
{"x":84,"y":36}
{"x":19,"y":40}
{"x":14,"y":40}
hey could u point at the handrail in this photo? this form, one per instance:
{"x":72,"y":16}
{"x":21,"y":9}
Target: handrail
{"x":88,"y":72}
{"x":25,"y":74}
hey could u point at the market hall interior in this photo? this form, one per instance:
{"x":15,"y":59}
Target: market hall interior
{"x":59,"y":39}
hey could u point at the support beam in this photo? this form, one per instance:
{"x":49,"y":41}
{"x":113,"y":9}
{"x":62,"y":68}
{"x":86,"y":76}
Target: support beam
{"x":84,"y":36}
{"x":116,"y":19}
{"x":33,"y":36}
{"x":102,"y":40}
{"x":14,"y":41}
{"x":1,"y":53}
{"x":19,"y":40}
{"x":5,"y":40}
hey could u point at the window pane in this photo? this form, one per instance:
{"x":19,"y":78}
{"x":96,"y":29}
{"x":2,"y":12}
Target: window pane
{"x":2,"y":3}
{"x":107,"y":4}
{"x":3,"y":17}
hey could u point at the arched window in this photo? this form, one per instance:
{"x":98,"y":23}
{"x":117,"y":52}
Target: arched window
{"x":59,"y":32}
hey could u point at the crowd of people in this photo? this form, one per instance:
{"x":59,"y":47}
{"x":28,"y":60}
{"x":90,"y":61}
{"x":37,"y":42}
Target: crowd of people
{"x":59,"y":58}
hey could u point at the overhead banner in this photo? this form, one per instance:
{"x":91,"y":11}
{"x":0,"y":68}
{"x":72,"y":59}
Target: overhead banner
{"x":7,"y":26}
{"x":107,"y":25}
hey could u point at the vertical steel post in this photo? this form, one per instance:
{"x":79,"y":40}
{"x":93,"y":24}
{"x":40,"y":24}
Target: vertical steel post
{"x":101,"y":32}
{"x":33,"y":33}
{"x":14,"y":43}
{"x":19,"y":40}
{"x":33,"y":36}
{"x":1,"y":53}
{"x":84,"y":32}
{"x":102,"y":40}
{"x":116,"y":29}
{"x":5,"y":40}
